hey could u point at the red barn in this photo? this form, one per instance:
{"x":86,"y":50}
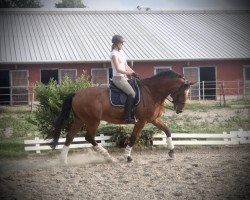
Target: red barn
{"x":211,"y":47}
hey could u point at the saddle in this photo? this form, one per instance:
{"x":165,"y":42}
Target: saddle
{"x":118,"y":98}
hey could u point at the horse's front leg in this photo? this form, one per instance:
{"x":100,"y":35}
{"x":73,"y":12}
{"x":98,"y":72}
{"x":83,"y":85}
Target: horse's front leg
{"x":134,"y":136}
{"x":162,"y":126}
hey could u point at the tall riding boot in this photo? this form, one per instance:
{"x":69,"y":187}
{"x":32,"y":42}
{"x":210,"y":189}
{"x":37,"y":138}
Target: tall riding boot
{"x":129,"y":107}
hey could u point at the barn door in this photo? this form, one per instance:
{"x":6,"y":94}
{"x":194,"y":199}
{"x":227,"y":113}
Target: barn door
{"x":247,"y":81}
{"x":19,"y":87}
{"x":4,"y":87}
{"x":192,"y":74}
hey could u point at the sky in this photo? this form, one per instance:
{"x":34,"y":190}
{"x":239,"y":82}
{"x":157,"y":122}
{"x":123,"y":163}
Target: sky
{"x":160,"y":4}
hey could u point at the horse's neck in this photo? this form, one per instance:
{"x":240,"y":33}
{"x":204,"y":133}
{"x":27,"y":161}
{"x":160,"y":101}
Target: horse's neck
{"x":159,"y":90}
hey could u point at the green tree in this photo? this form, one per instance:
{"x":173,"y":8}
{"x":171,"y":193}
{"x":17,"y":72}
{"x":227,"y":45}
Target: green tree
{"x":20,"y":4}
{"x":70,"y":4}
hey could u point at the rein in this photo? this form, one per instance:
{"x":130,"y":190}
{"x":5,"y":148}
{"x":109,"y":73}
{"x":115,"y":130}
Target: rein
{"x":174,"y":102}
{"x":177,"y":101}
{"x":146,"y":89}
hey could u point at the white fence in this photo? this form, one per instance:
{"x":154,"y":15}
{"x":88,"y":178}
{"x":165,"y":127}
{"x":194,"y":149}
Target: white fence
{"x":78,"y":142}
{"x":232,"y":138}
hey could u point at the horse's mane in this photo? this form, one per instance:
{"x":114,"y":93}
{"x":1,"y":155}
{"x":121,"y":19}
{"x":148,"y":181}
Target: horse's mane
{"x":168,"y":74}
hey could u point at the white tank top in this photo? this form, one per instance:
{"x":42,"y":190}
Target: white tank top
{"x":121,"y":61}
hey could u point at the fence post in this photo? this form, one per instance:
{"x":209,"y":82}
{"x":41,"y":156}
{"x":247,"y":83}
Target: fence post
{"x":223,"y":94}
{"x":238,"y":89}
{"x":225,"y":139}
{"x":203,"y":92}
{"x":190,"y":93}
{"x":37,"y":145}
{"x":32,"y":99}
{"x":11,"y":96}
{"x":102,"y":140}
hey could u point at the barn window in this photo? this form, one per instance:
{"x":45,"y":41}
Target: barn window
{"x":19,"y":86}
{"x":71,"y":73}
{"x":14,"y":87}
{"x":48,"y":74}
{"x":57,"y":75}
{"x":192,"y":74}
{"x":100,"y":76}
{"x":161,"y":69}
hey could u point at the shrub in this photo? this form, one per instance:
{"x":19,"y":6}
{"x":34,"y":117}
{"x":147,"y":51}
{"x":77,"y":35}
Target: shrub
{"x":50,"y":99}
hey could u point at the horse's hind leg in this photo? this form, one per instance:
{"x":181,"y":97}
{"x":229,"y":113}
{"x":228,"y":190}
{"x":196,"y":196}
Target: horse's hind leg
{"x":90,"y":137}
{"x":75,"y":128}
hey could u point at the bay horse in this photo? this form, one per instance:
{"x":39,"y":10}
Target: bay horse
{"x":91,"y":105}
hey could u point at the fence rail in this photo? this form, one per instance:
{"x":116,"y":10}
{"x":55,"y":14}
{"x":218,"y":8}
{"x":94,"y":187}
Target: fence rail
{"x":220,"y":89}
{"x":231,"y":138}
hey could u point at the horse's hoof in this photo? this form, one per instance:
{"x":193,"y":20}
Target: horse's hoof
{"x":63,"y":162}
{"x":112,"y":160}
{"x":171,"y":154}
{"x":129,"y":159}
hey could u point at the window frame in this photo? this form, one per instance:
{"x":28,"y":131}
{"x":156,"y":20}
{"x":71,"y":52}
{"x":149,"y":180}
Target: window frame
{"x":161,"y":67}
{"x":60,"y":74}
{"x":102,"y":69}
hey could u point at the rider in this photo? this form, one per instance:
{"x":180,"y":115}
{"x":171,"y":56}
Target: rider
{"x":121,"y":72}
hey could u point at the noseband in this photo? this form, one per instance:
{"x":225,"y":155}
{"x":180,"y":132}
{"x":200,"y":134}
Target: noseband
{"x":177,"y":101}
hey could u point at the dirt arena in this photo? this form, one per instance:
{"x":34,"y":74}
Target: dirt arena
{"x":195,"y":173}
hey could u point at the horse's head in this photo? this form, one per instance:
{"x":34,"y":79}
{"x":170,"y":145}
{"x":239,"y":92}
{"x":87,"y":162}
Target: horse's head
{"x":180,"y":96}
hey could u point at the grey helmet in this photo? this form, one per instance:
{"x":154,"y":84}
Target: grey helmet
{"x":117,"y":38}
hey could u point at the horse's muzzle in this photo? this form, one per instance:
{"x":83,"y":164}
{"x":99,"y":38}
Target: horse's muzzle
{"x":178,"y":111}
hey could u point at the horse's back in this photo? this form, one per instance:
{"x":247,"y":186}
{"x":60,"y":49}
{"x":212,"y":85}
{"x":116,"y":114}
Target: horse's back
{"x":91,"y":94}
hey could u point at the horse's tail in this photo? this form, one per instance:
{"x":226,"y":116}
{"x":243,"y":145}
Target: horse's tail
{"x":58,"y":124}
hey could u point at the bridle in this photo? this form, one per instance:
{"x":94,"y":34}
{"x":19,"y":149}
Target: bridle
{"x":177,"y":100}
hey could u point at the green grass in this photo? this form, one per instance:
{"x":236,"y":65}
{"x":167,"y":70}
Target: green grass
{"x":12,"y":148}
{"x":188,"y":124}
{"x":18,"y":120}
{"x":20,"y":125}
{"x":14,"y":110}
{"x":202,"y":106}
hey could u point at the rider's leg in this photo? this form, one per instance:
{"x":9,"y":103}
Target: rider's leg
{"x":122,"y":83}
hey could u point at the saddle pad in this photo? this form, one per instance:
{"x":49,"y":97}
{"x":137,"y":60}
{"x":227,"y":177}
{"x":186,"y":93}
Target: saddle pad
{"x":118,"y":98}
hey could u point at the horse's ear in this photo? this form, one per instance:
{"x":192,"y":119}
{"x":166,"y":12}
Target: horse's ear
{"x":188,"y":83}
{"x":192,"y":83}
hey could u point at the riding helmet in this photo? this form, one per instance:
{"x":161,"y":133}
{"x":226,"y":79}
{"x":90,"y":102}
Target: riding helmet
{"x":117,"y":38}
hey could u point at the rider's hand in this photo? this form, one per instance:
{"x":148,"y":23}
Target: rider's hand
{"x":136,"y":75}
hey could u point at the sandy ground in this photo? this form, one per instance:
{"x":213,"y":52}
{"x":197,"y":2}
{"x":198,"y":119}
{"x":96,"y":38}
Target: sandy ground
{"x":195,"y":173}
